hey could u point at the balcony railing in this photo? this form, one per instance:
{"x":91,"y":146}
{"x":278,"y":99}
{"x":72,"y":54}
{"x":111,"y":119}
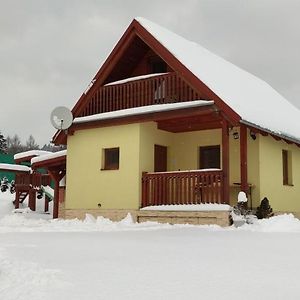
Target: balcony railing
{"x":35,"y":180}
{"x":185,"y":187}
{"x":159,"y":89}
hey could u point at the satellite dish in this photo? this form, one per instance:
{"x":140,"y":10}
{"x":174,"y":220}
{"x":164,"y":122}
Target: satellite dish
{"x":61,"y":118}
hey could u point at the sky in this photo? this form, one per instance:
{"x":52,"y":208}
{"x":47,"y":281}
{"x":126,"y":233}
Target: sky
{"x":51,"y":50}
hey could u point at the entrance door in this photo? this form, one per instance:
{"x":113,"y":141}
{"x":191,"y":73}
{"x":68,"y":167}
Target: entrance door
{"x":209,"y":157}
{"x":160,"y":158}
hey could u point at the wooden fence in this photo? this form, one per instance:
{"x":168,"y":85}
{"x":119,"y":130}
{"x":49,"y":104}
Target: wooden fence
{"x":35,"y":180}
{"x":165,"y":88}
{"x":185,"y":187}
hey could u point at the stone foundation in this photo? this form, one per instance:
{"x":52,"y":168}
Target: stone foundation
{"x":221,"y":218}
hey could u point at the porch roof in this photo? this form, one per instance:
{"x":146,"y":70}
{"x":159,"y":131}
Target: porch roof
{"x":53,"y":160}
{"x":144,"y":110}
{"x":26,"y":156}
{"x":15,"y":168}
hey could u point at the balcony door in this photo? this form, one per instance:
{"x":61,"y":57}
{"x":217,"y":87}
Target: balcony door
{"x":160,"y":158}
{"x":209,"y":157}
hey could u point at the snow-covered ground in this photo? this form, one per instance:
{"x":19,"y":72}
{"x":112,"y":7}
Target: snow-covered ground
{"x":98,"y":259}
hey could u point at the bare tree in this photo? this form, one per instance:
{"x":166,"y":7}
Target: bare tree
{"x":31,"y":144}
{"x":14,"y":145}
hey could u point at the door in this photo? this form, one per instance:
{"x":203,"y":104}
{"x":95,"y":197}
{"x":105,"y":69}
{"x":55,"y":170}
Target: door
{"x":209,"y":157}
{"x":160,"y":158}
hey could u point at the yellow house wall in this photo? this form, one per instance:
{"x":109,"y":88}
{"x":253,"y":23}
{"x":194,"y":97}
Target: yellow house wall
{"x":253,"y":169}
{"x":281,"y":197}
{"x":121,"y":189}
{"x":87,"y":185}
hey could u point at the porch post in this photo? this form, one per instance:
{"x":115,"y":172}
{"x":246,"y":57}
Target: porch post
{"x":225,"y":160}
{"x":17,"y":198}
{"x":32,"y":199}
{"x":57,"y":175}
{"x":46,"y":208}
{"x":243,"y":158}
{"x":56,"y":198}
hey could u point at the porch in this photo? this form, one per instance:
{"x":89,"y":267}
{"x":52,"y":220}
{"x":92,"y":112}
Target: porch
{"x":183,"y":187}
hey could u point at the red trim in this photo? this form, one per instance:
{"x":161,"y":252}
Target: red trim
{"x":243,"y":158}
{"x":24,"y":159}
{"x":225,"y":160}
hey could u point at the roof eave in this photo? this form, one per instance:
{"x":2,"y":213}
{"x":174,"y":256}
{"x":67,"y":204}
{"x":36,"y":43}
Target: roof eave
{"x":272,"y":133}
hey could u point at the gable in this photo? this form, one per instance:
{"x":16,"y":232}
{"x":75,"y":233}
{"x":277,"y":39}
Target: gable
{"x":256,"y":102}
{"x":240,"y":96}
{"x":131,"y":57}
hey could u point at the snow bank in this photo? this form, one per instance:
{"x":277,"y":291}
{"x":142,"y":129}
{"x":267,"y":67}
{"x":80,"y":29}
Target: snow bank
{"x":280,"y":223}
{"x":20,"y":223}
{"x":6,"y":205}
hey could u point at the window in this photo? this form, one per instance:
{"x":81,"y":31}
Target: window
{"x":111,"y":159}
{"x":159,"y":67}
{"x":156,"y":65}
{"x":287,"y":167}
{"x":209,"y":157}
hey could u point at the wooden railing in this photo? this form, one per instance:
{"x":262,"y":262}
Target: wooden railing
{"x":35,"y":180}
{"x":166,"y":88}
{"x":185,"y":187}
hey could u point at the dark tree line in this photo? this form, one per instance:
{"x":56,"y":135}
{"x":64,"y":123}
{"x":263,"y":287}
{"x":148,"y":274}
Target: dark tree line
{"x":13,"y":145}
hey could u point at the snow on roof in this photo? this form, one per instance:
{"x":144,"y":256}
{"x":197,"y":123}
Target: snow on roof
{"x":253,"y":99}
{"x":30,"y":153}
{"x":52,"y":155}
{"x":16,"y":168}
{"x":134,"y":78}
{"x":143,"y":110}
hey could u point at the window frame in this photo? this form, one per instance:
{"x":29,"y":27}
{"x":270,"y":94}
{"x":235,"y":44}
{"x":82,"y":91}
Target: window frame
{"x":287,"y":178}
{"x":108,"y":163}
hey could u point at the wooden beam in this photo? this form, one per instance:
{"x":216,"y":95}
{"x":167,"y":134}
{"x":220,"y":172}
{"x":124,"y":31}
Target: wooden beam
{"x":188,"y":126}
{"x":243,"y":158}
{"x":57,"y":162}
{"x":225,"y":160}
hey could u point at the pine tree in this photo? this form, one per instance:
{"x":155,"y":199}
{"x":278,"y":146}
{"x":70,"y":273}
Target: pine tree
{"x":3,"y":144}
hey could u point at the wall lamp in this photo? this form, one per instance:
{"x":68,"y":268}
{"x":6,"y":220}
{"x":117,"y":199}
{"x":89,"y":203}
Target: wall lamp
{"x":253,"y":135}
{"x":236,"y":135}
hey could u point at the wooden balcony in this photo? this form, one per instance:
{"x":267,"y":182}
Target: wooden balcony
{"x":185,"y":187}
{"x":156,"y":89}
{"x":34,"y":180}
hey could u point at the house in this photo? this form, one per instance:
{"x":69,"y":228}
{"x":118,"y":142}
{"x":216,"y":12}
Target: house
{"x":166,"y":122}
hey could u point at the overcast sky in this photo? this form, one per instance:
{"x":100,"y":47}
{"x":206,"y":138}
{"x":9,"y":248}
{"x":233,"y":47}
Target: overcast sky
{"x":50,"y":50}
